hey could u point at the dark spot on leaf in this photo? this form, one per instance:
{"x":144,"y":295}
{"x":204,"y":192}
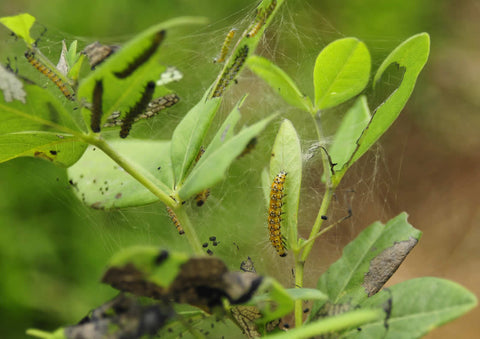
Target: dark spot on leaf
{"x":205,"y":245}
{"x":97,"y":205}
{"x":161,"y":257}
{"x":214,"y":243}
{"x":209,"y":252}
{"x":42,"y":155}
{"x":385,"y":264}
{"x":52,"y":152}
{"x":306,"y":310}
{"x":212,"y":238}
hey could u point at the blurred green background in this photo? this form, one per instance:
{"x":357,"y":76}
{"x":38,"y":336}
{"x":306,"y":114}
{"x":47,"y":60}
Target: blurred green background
{"x":53,"y":250}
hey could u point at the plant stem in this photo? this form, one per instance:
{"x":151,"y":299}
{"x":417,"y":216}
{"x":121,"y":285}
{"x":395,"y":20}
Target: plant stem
{"x":189,"y":230}
{"x":139,"y":174}
{"x":153,"y":185}
{"x":327,"y":198}
{"x":299,"y":267}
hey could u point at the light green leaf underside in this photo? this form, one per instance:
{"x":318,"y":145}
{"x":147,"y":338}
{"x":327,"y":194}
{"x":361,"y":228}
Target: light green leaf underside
{"x":100,"y":183}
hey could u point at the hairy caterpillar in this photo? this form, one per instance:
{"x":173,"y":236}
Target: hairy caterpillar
{"x":201,"y":197}
{"x":142,"y":58}
{"x":175,"y":220}
{"x":97,"y":110}
{"x":230,"y":72}
{"x":30,"y":55}
{"x":261,"y":19}
{"x":275,"y":213}
{"x":153,"y":107}
{"x":226,"y":45}
{"x":137,"y":109}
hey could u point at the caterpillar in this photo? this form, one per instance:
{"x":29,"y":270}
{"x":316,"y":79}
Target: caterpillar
{"x":30,"y":55}
{"x":137,"y":109}
{"x":226,"y":46}
{"x":97,"y":110}
{"x":201,"y":197}
{"x":275,"y":213}
{"x":261,"y":19}
{"x":230,"y":72}
{"x":153,"y":107}
{"x":175,"y":220}
{"x":142,"y":58}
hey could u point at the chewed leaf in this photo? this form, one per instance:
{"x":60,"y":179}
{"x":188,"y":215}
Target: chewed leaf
{"x":122,"y":317}
{"x":345,"y":140}
{"x":202,"y":281}
{"x":341,"y":71}
{"x":20,"y":25}
{"x":417,"y":306}
{"x":279,"y":81}
{"x":11,"y":86}
{"x":411,"y":54}
{"x":102,"y":184}
{"x":368,"y":262}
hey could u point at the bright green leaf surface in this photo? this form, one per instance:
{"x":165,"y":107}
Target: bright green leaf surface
{"x":212,"y":169}
{"x":121,"y":94}
{"x":276,"y":295}
{"x":349,"y":278}
{"x":287,"y":156}
{"x":341,"y":71}
{"x":352,"y":126}
{"x":331,"y":324}
{"x":225,"y":132}
{"x":418,"y":306}
{"x":20,"y":25}
{"x":100,"y":183}
{"x":39,"y":128}
{"x":411,"y":54}
{"x":279,"y":81}
{"x":189,"y":134}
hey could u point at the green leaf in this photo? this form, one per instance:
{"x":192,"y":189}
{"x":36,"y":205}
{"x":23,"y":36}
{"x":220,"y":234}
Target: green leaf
{"x":341,"y":71}
{"x":287,"y":156}
{"x":345,"y":141}
{"x":279,"y":81}
{"x":20,"y":25}
{"x":225,"y":132}
{"x":368,"y":262}
{"x":120,"y":94}
{"x":40,"y":127}
{"x":212,"y":168}
{"x":331,"y":324}
{"x":188,"y":136}
{"x":275,"y":303}
{"x":100,"y":183}
{"x":411,"y":54}
{"x":418,"y":306}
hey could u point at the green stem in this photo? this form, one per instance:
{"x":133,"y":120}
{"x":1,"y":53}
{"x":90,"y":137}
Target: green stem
{"x":327,"y":198}
{"x":143,"y":177}
{"x":299,"y":268}
{"x":189,"y":230}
